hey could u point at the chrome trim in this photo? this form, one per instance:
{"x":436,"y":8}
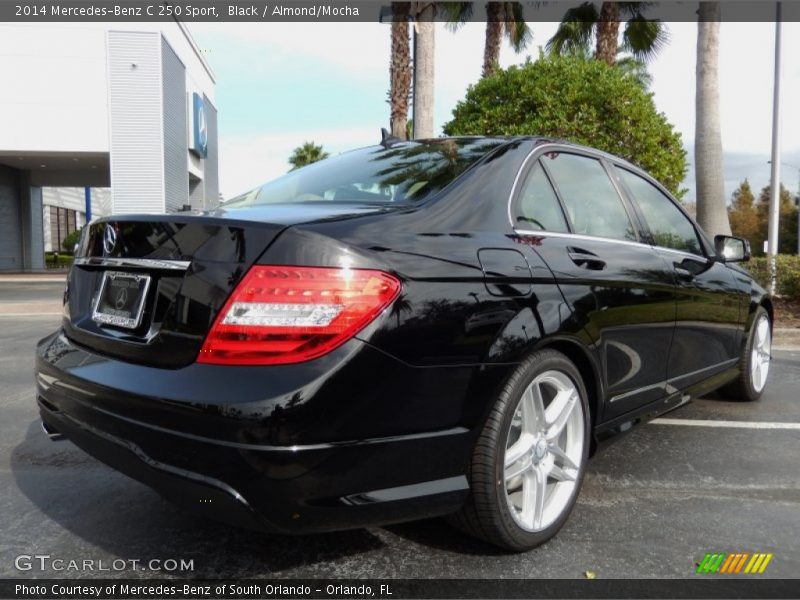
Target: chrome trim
{"x":55,"y":436}
{"x":134,"y":263}
{"x":580,"y":236}
{"x":516,"y":181}
{"x":698,"y":257}
{"x":126,"y":322}
{"x":661,"y":384}
{"x":724,"y":363}
{"x":666,"y":383}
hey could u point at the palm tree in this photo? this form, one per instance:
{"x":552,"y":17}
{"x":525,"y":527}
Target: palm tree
{"x":424,"y":14}
{"x":582,"y":25}
{"x":306,"y":154}
{"x":503,"y":18}
{"x":399,"y":70}
{"x":712,"y":214}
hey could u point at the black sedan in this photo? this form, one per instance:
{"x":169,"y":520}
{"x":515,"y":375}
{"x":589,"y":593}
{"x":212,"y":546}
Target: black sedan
{"x":413,"y":329}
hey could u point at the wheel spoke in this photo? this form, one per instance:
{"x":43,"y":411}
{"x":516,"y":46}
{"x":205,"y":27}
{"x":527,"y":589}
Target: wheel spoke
{"x":518,"y":468}
{"x":761,"y":333}
{"x":560,"y":474}
{"x":532,"y":409}
{"x":519,"y":448}
{"x":561,"y":456}
{"x":534,"y":486}
{"x":557,"y":414}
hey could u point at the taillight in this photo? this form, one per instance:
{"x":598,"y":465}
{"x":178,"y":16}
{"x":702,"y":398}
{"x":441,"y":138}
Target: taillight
{"x":279,"y":315}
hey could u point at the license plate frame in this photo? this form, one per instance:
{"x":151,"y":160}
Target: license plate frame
{"x":118,"y":317}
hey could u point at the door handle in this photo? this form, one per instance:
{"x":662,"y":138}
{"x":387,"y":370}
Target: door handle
{"x":586,"y":260}
{"x":682,"y":271}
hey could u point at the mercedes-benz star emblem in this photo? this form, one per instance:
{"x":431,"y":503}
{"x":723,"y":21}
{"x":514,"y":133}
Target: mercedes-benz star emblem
{"x":122,"y":299}
{"x":109,"y":239}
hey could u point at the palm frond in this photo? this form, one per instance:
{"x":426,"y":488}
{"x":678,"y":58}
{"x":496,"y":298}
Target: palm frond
{"x":636,"y":68}
{"x":575,"y":31}
{"x":632,"y":9}
{"x":644,"y":38}
{"x":454,"y":14}
{"x":517,"y":30}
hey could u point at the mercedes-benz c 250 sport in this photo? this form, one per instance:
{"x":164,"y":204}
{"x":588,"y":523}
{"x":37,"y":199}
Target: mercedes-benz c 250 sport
{"x":413,"y":329}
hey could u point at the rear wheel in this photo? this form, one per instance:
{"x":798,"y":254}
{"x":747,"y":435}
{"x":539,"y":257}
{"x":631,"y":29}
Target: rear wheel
{"x":530,"y":458}
{"x":754,"y":363}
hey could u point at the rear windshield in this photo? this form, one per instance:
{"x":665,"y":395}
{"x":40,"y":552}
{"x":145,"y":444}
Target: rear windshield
{"x":404,"y":173}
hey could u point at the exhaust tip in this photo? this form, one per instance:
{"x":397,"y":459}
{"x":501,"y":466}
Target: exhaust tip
{"x":52,"y":433}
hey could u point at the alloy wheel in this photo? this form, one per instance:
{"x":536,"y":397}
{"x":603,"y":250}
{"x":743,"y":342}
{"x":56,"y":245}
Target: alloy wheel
{"x":544,"y":450}
{"x":760,"y":354}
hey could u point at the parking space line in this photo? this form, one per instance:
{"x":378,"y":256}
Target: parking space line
{"x":729,"y":424}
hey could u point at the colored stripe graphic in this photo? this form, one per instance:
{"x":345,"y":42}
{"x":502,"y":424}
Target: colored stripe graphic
{"x":724,"y":563}
{"x":711,"y":562}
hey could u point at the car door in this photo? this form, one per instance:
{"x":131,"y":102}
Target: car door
{"x":574,"y":217}
{"x":708,"y":324}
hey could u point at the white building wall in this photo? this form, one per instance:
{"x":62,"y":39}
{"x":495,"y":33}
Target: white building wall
{"x":137,"y":137}
{"x":63,"y":108}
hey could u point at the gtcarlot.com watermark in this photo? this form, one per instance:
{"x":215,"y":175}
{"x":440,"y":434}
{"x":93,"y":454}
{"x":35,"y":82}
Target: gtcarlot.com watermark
{"x":47,"y":562}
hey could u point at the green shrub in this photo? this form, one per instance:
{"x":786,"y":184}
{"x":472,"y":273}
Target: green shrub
{"x":788,"y":273}
{"x":72,"y":239}
{"x":583,"y":101}
{"x":62,"y":262}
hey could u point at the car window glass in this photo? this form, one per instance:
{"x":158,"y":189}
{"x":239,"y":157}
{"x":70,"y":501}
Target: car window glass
{"x":592,"y":202}
{"x":404,"y":172}
{"x":669,"y":226}
{"x":538,"y":206}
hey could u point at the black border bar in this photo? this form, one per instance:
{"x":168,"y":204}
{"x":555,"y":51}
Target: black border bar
{"x":253,"y":11}
{"x":701,"y":587}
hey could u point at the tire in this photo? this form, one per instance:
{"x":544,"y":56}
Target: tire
{"x":496,"y":510}
{"x":750,"y":384}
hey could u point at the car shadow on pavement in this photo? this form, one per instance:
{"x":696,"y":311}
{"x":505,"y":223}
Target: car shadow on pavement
{"x":106,"y":510}
{"x":439,"y":534}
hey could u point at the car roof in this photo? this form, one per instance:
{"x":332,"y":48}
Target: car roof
{"x":536,"y":139}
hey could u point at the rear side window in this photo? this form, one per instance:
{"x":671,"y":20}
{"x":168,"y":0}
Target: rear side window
{"x":591,"y":200}
{"x":669,"y":226}
{"x":537,"y":204}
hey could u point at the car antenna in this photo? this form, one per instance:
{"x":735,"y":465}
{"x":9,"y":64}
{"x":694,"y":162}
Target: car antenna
{"x":387,"y":139}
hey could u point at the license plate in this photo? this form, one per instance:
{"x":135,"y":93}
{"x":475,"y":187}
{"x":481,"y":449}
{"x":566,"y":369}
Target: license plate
{"x":120,"y":300}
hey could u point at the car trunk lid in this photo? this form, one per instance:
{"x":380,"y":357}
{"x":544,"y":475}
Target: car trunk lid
{"x":146,"y":289}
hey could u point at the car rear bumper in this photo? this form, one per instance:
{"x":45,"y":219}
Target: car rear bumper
{"x":217,"y":460}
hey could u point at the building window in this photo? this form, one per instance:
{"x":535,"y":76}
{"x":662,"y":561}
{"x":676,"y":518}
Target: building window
{"x":63,"y":221}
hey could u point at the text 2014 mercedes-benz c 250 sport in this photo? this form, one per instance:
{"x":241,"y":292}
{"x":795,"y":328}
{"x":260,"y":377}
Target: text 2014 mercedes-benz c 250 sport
{"x":440,"y":327}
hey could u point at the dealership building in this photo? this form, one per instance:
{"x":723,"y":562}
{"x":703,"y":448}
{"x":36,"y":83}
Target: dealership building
{"x":98,"y":118}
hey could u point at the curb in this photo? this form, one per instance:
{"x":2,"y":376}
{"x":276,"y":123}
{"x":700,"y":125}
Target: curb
{"x":786,"y":338}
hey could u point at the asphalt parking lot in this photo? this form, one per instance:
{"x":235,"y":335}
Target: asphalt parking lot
{"x":652,"y":504}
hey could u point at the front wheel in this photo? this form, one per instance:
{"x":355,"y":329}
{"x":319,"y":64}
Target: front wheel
{"x":529,"y":461}
{"x":754,"y":362}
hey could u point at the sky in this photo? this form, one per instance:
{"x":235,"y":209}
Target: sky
{"x":280,"y":85}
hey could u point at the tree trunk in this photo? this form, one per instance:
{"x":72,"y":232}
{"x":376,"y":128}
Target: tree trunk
{"x":399,"y":70}
{"x":494,"y":37}
{"x":423,"y":64}
{"x":712,"y":213}
{"x":608,"y":33}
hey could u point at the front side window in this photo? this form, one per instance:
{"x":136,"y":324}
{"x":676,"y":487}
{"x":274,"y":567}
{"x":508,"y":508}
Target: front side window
{"x":591,"y":200}
{"x":537,"y":206}
{"x":404,"y":173}
{"x":669,"y":226}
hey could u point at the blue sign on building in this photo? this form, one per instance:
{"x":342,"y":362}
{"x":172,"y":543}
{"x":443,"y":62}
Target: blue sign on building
{"x":199,"y":127}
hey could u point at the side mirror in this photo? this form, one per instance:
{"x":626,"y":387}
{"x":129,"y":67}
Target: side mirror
{"x":732,"y":249}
